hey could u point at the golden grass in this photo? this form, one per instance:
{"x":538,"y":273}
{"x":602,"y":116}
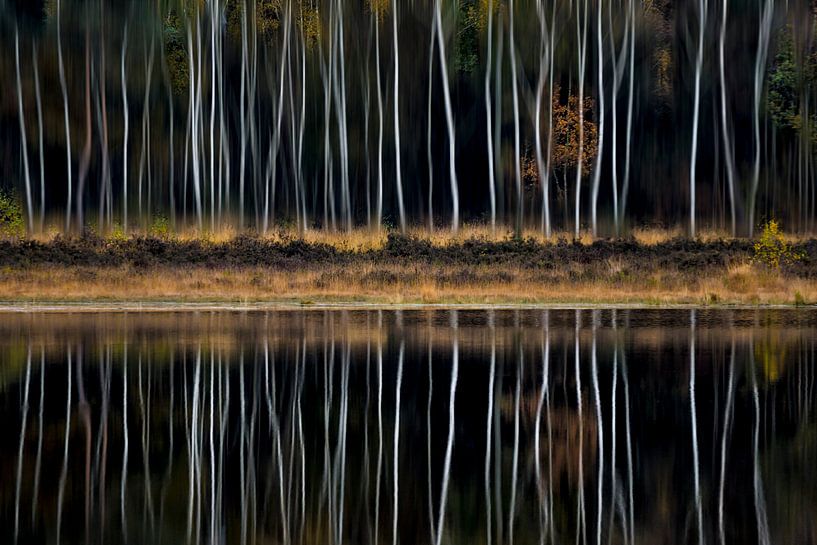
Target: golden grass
{"x":363,"y":239}
{"x":608,"y":283}
{"x":613,"y":281}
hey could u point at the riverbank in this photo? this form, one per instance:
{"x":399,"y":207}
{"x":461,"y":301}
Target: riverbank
{"x":401,"y":270}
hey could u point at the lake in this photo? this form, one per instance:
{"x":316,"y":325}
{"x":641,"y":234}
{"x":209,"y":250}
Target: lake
{"x":413,"y":426}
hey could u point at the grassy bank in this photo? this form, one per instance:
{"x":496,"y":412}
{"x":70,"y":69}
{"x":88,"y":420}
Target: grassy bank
{"x":475,"y":268}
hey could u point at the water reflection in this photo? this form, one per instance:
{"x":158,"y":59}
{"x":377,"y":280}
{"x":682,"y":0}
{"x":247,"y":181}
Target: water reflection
{"x":409,"y":427}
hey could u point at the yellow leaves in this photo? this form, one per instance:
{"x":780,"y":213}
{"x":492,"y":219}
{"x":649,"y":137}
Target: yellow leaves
{"x":268,"y":16}
{"x":771,"y":249}
{"x":310,"y":24}
{"x":483,"y":8}
{"x":662,"y":61}
{"x":379,"y":8}
{"x":770,"y":352}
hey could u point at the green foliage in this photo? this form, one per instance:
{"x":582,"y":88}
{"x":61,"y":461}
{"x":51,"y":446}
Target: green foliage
{"x":799,"y":300}
{"x":160,"y":228}
{"x":267,"y":20}
{"x":234,"y":11}
{"x":783,"y":84}
{"x":772,"y":250}
{"x":11,"y":216}
{"x":786,"y":78}
{"x":268,"y":17}
{"x":176,"y":55}
{"x":310,"y":24}
{"x":467,"y":44}
{"x":117,"y":233}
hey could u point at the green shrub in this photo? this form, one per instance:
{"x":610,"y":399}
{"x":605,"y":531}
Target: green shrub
{"x":117,"y":233}
{"x":11,"y":216}
{"x":160,"y":228}
{"x":772,"y":250}
{"x":799,"y":300}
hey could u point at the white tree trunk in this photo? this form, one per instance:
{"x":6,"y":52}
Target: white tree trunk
{"x":449,"y":118}
{"x":23,"y":138}
{"x":397,"y":153}
{"x":702,"y":7}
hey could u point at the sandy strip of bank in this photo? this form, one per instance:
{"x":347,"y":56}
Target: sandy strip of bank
{"x":23,"y":307}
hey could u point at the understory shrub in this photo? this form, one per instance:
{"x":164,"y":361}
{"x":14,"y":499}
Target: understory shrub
{"x":11,"y":216}
{"x":772,"y":250}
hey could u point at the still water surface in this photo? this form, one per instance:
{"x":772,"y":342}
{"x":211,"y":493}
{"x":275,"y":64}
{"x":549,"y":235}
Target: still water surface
{"x":428,"y":427}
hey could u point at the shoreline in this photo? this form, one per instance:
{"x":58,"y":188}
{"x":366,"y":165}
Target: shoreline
{"x":124,"y":307}
{"x":250,"y":273}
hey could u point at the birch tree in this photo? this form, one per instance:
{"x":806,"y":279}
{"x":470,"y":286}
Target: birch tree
{"x":761,"y":55}
{"x":702,"y":8}
{"x":23,"y":137}
{"x":449,"y":119}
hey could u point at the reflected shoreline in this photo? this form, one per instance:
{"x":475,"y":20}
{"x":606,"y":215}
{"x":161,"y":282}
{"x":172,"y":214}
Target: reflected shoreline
{"x":409,"y":426}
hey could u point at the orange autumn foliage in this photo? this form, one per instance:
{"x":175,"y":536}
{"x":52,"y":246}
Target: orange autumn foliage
{"x":566,"y":123}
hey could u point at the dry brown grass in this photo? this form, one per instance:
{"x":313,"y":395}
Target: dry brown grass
{"x":362,"y":239}
{"x":607,"y":283}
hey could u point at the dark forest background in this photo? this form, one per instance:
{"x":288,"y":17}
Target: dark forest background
{"x":269,"y":113}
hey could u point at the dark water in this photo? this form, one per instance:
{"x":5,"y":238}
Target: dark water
{"x":409,"y":427}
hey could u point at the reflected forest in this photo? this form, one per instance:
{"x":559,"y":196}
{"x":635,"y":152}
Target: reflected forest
{"x":555,"y":115}
{"x":435,"y":427}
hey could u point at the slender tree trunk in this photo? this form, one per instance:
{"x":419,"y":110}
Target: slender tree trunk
{"x":581,"y":35}
{"x":544,"y":54}
{"x":760,"y":70}
{"x":276,"y":138}
{"x":379,"y":202}
{"x":144,"y":161}
{"x":517,"y":160}
{"x":429,"y":154}
{"x":125,"y":150}
{"x":549,"y":153}
{"x":599,"y":155}
{"x":488,"y":130}
{"x":41,"y":146}
{"x":618,"y":75}
{"x":449,"y":118}
{"x":702,"y":7}
{"x":328,"y":186}
{"x":499,"y":174}
{"x":64,"y":89}
{"x":302,"y":126}
{"x":23,"y":137}
{"x":212,"y":148}
{"x":342,"y":120}
{"x":105,"y":183}
{"x":630,"y":92}
{"x":193,"y":130}
{"x":85,"y":160}
{"x":725,"y":130}
{"x":242,"y":115}
{"x":397,"y":153}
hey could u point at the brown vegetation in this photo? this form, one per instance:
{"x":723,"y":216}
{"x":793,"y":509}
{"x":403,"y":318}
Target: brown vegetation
{"x":474,"y":267}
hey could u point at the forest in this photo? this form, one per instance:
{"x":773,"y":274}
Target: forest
{"x":559,"y":116}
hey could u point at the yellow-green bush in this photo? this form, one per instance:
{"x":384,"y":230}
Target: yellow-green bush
{"x":11,"y":216}
{"x":160,"y":228}
{"x":772,"y":250}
